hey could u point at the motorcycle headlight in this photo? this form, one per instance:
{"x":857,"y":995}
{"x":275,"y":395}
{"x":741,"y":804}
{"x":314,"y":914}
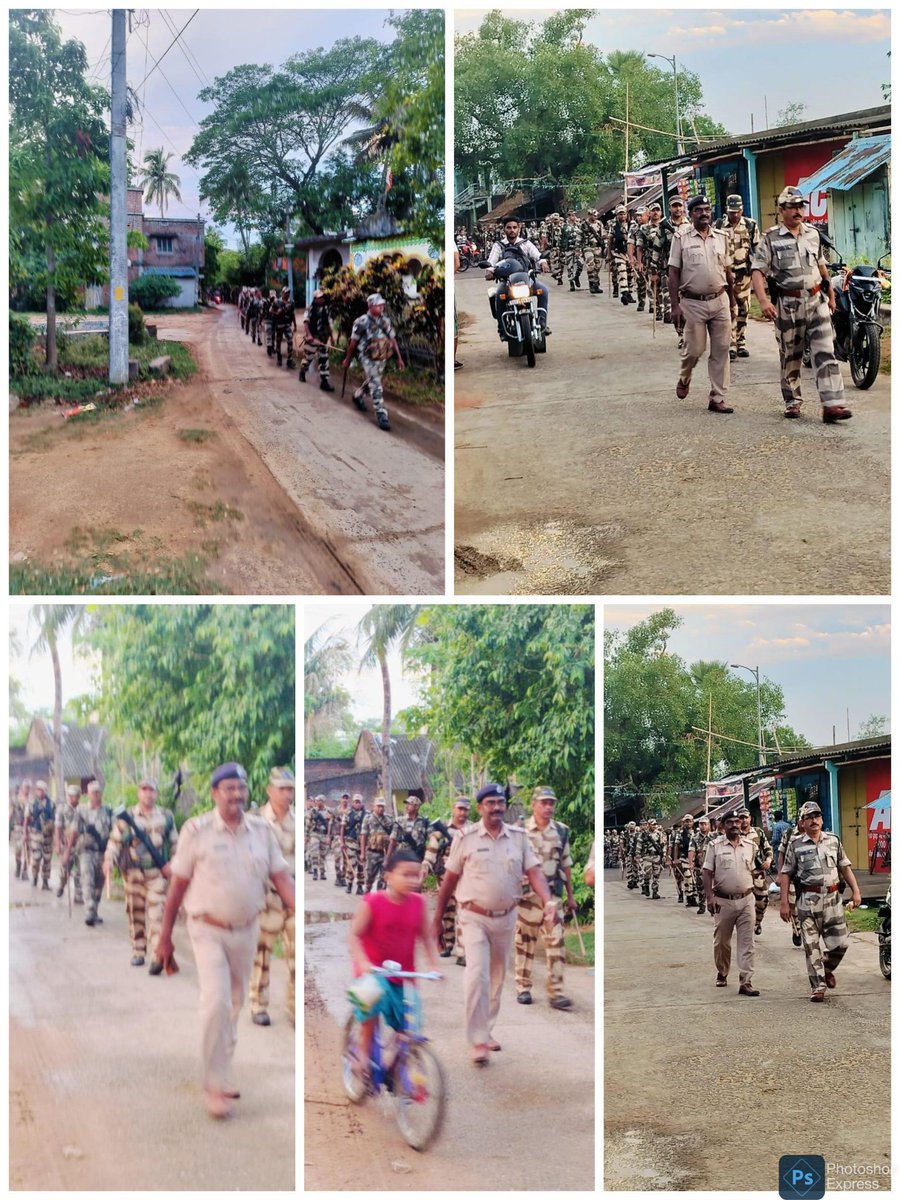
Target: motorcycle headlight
{"x":519,"y":291}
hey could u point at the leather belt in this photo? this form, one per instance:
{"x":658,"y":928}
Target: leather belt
{"x":820,"y":890}
{"x":732,"y":896}
{"x":486,"y":912}
{"x":697,"y":296}
{"x":796,"y":293}
{"x":208,"y":920}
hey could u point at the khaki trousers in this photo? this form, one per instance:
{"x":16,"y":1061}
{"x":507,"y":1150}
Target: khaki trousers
{"x":488,"y":942}
{"x":734,"y":915}
{"x":224,"y":959}
{"x":714,"y":317}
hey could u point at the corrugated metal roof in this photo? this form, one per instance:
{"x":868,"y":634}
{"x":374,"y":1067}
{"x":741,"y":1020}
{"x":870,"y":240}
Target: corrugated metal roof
{"x":175,"y":272}
{"x":412,"y":760}
{"x":851,"y":165}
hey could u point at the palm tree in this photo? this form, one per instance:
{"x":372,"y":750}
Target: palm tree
{"x":383,"y":627}
{"x":51,"y":620}
{"x":158,"y":180}
{"x":381,"y":132}
{"x":326,"y":658}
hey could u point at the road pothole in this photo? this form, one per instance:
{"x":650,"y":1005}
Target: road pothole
{"x":556,"y":557}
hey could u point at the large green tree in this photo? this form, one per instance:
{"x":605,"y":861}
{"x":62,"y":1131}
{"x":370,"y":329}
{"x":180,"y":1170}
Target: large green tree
{"x":57,"y":164}
{"x":201,"y":683}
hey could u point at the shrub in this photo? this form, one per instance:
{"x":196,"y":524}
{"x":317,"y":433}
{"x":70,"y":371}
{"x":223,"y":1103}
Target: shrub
{"x":135,"y":325}
{"x":149,"y":291}
{"x":346,"y":292}
{"x":21,"y":341}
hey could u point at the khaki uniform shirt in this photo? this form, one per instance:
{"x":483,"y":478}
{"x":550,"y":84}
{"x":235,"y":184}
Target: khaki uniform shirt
{"x":491,"y":869}
{"x":731,"y":865}
{"x":228,"y":870}
{"x":701,"y":260}
{"x":285,"y":833}
{"x":793,"y":262}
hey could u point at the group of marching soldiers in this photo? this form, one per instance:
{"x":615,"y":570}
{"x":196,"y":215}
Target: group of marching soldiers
{"x":642,"y":850}
{"x":277,"y":315}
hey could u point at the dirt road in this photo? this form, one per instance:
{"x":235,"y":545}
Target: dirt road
{"x":104,"y":1061}
{"x":587,"y":474}
{"x":524,"y":1123}
{"x":277,"y":487}
{"x":705,"y":1089}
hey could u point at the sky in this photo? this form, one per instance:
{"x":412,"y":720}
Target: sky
{"x":826,"y":658}
{"x":364,"y":687}
{"x":35,"y":671}
{"x":833,"y":60}
{"x":218,"y":39}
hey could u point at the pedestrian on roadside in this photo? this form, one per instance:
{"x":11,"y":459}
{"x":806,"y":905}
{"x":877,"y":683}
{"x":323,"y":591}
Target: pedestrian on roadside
{"x":728,"y":887}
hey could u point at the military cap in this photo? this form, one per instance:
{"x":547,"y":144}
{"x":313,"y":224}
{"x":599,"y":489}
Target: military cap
{"x":809,"y":808}
{"x":703,"y":817}
{"x":632,"y":825}
{"x":231,"y":770}
{"x":688,"y":817}
{"x":642,"y":209}
{"x":655,"y":205}
{"x":378,"y":802}
{"x":285,"y":291}
{"x":490,"y":789}
{"x":411,"y":799}
{"x":791,"y":195}
{"x":462,"y":802}
{"x":357,"y":796}
{"x":345,"y":795}
{"x":676,"y":198}
{"x":94,"y":786}
{"x":72,"y":789}
{"x":374,"y":300}
{"x":41,"y":783}
{"x":593,"y":212}
{"x":620,"y":208}
{"x":281,"y":777}
{"x":148,"y":783}
{"x":543,"y":793}
{"x":320,"y":797}
{"x":651,"y":820}
{"x":695,"y":200}
{"x":734,"y":201}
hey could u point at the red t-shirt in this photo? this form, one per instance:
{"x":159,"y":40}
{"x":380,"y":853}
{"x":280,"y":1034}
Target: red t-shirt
{"x":393,"y":929}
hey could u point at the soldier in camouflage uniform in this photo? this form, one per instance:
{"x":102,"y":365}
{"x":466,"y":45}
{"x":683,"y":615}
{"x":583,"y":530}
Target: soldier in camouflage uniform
{"x":351,"y":829}
{"x":617,"y":249}
{"x":794,"y":832}
{"x":66,"y":815}
{"x":550,"y":841}
{"x":673,"y":226}
{"x":743,"y":237}
{"x":88,"y":837}
{"x":319,"y":826}
{"x":17,"y":809}
{"x":285,"y":325}
{"x":571,"y":243}
{"x":437,"y":848}
{"x":254,"y":317}
{"x":632,"y":836}
{"x":696,"y":854}
{"x":334,"y":843}
{"x":373,"y":841}
{"x":761,"y":862}
{"x":270,"y":314}
{"x":146,"y":884}
{"x":38,"y":829}
{"x":275,"y":921}
{"x":817,"y":862}
{"x":652,"y":849}
{"x":554,"y":248}
{"x":409,"y":831}
{"x":790,"y":258}
{"x":594,"y":240}
{"x":317,"y":335}
{"x":635,"y":239}
{"x":652,"y":254}
{"x":373,"y":336}
{"x":680,"y":853}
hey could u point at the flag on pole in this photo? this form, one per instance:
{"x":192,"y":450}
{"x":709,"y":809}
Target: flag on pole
{"x":390,"y":180}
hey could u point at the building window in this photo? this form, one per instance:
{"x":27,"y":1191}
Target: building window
{"x":165,"y":245}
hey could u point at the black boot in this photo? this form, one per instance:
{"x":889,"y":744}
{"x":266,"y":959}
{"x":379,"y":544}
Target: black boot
{"x":640,"y":307}
{"x":18,"y":870}
{"x":349,"y":889}
{"x":315,"y":873}
{"x":302,"y":375}
{"x":325,"y":385}
{"x":360,"y":891}
{"x":571,"y":285}
{"x":384,"y":421}
{"x":578,"y":281}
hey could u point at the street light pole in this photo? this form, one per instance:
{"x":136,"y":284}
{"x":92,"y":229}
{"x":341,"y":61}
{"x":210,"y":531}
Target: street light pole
{"x":678,"y":139}
{"x":755,"y":671}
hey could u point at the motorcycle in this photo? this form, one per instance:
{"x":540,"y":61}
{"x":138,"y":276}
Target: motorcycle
{"x":857,"y":329}
{"x":522,"y":327}
{"x":468,"y":255}
{"x":884,"y":937}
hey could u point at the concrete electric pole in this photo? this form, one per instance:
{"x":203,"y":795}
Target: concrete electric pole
{"x":118,"y":220}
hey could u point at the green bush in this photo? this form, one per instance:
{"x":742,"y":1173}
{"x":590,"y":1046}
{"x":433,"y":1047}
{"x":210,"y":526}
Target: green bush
{"x":21,"y":341}
{"x":135,"y":325}
{"x":149,"y":291}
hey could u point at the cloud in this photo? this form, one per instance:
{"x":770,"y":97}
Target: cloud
{"x":798,"y":27}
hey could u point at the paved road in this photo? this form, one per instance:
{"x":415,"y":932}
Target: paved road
{"x":375,"y":499}
{"x":587,"y":475}
{"x":524,"y":1123}
{"x":104,"y":1063}
{"x":705,"y":1089}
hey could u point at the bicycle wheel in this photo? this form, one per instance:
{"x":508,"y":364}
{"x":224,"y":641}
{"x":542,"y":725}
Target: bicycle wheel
{"x":354,"y":1086}
{"x":419,"y":1096}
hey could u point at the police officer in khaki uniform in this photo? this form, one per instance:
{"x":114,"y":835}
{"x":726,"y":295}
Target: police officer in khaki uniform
{"x":484,"y":871}
{"x":222,"y":869}
{"x":728,"y":886}
{"x":702,"y":290}
{"x":276,"y":921}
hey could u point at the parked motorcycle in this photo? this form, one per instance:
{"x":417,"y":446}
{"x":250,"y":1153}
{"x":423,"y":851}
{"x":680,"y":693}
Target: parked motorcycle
{"x":884,"y":937}
{"x":522,"y":328}
{"x":857,"y":329}
{"x":468,"y":255}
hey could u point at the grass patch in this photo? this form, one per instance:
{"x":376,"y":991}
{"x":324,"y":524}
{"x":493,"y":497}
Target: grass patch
{"x":86,"y":360}
{"x":196,"y":437}
{"x":573,"y":949}
{"x":414,"y":385}
{"x":110,"y":562}
{"x":93,"y":353}
{"x":863,"y":920}
{"x":206,"y":513}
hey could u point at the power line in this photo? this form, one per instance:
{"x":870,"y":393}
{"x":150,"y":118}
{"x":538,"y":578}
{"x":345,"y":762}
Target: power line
{"x":168,"y":48}
{"x":189,"y":56}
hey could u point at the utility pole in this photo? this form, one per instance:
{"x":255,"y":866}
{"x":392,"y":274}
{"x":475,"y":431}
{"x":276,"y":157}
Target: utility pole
{"x":625,"y":175}
{"x":118,"y":232}
{"x":289,"y":251}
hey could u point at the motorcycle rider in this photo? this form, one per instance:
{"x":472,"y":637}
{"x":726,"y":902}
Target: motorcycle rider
{"x":528,"y":254}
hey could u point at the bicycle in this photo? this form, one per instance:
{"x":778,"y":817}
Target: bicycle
{"x":415,"y":1077}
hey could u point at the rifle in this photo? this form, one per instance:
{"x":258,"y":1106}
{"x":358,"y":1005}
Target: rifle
{"x":653,"y":309}
{"x":122,"y":814}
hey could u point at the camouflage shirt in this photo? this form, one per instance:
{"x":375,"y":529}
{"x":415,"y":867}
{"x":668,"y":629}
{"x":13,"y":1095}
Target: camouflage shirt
{"x":572,"y":238}
{"x":99,"y":820}
{"x":66,"y":815}
{"x":551,"y":845}
{"x":411,"y":832}
{"x":651,"y":844}
{"x":41,"y":814}
{"x":655,"y":246}
{"x":699,"y":842}
{"x":126,"y":848}
{"x":793,"y":262}
{"x":377,"y":832}
{"x":438,"y":847}
{"x":285,"y":833}
{"x":319,"y":822}
{"x":743,"y":239}
{"x":593,"y":234}
{"x":373,"y":336}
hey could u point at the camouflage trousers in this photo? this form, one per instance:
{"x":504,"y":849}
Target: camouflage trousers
{"x":660,"y":300}
{"x":760,"y":895}
{"x":73,"y":869}
{"x":823,"y":928}
{"x":574,"y":265}
{"x":273,"y":922}
{"x":593,"y":261}
{"x":145,"y":900}
{"x":256,"y":331}
{"x":640,"y":279}
{"x":313,"y":352}
{"x":555,"y":259}
{"x":652,"y":872}
{"x":337,"y":856}
{"x":374,"y":870}
{"x":697,"y":874}
{"x":270,"y":338}
{"x":684,"y":880}
{"x":374,"y":372}
{"x":800,"y":318}
{"x":285,"y":334}
{"x":354,"y":868}
{"x":40,"y":847}
{"x":316,"y":851}
{"x":742,"y":300}
{"x":792,"y":901}
{"x":90,"y":863}
{"x":529,"y":924}
{"x":18,"y":841}
{"x":622,"y":274}
{"x":452,"y":934}
{"x":633,"y":868}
